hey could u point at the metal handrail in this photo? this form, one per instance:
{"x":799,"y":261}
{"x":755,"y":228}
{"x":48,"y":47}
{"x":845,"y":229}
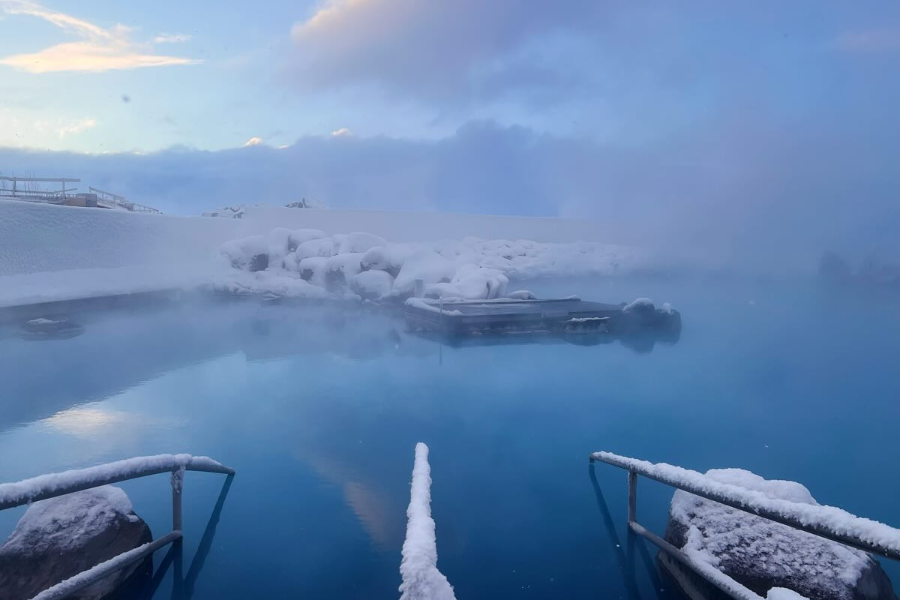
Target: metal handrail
{"x":44,"y":487}
{"x":723,"y":582}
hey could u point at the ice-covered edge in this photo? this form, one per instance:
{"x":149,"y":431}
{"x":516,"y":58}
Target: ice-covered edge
{"x":76,"y":582}
{"x":22,"y":492}
{"x":418,"y":569}
{"x":430,"y":307}
{"x":829,"y":518}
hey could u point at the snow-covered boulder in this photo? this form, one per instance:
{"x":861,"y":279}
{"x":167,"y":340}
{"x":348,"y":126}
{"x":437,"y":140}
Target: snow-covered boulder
{"x":372,"y":285}
{"x":361,"y":242}
{"x":279,"y":241}
{"x":58,"y":538}
{"x":479,"y":283}
{"x":249,"y":254}
{"x":44,"y":328}
{"x":341,"y":268}
{"x":312,"y":269}
{"x":763,"y":555}
{"x":300,"y":236}
{"x":426,"y":266}
{"x":323,"y":247}
{"x":385,"y":258}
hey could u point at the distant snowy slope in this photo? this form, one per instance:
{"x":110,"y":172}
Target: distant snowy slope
{"x":421,"y":578}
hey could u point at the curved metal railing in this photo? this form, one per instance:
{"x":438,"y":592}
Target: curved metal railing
{"x":53,"y":485}
{"x":884,"y":542}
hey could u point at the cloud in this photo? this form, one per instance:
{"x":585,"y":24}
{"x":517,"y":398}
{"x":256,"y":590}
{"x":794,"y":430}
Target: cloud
{"x":433,"y":49}
{"x":342,"y":132}
{"x":100,"y":49}
{"x":63,"y":127}
{"x":172,"y":38}
{"x":254,"y":141}
{"x":877,"y":40}
{"x":76,"y":127}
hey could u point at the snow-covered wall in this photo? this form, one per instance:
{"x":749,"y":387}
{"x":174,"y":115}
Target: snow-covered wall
{"x":37,"y":237}
{"x":41,"y":237}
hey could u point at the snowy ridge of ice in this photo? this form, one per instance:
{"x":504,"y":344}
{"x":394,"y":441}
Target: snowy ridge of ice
{"x":22,"y":492}
{"x":830,"y":518}
{"x":419,"y":303}
{"x":421,"y":578}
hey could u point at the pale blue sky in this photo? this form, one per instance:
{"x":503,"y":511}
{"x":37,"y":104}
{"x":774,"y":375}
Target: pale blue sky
{"x":611,"y":71}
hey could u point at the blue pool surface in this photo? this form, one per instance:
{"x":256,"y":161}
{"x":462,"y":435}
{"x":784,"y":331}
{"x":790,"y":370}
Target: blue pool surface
{"x":319,"y":409}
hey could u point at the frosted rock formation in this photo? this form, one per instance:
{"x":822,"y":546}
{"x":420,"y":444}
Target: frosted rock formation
{"x":60,"y":537}
{"x":762,"y":555}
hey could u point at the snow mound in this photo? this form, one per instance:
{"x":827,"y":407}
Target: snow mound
{"x":471,"y":269}
{"x":245,"y":253}
{"x":421,"y":578}
{"x":59,"y":523}
{"x":760,"y":553}
{"x":373,"y":285}
{"x":361,"y":242}
{"x":638,"y":305}
{"x":300,"y":236}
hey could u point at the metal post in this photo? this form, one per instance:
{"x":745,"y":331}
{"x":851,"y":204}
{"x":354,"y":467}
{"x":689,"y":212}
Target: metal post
{"x":177,"y":484}
{"x":632,"y":497}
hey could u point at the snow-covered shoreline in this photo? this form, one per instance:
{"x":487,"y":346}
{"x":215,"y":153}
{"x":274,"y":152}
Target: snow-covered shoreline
{"x":50,"y":254}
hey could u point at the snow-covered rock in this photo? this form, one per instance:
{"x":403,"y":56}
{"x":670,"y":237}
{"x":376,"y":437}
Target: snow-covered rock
{"x":60,"y":537}
{"x":476,"y":282}
{"x":340,"y":269}
{"x":762,"y":555}
{"x":300,"y":236}
{"x":249,"y":254}
{"x":323,"y":247}
{"x":372,"y":285}
{"x":472,"y":268}
{"x":279,"y":242}
{"x":313,"y":269}
{"x":228,"y":212}
{"x":361,"y":242}
{"x":425,"y":265}
{"x":418,"y":568}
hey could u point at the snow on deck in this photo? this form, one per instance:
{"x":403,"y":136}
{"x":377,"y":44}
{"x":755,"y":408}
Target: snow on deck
{"x":42,"y":486}
{"x":827,"y":518}
{"x":421,"y":578}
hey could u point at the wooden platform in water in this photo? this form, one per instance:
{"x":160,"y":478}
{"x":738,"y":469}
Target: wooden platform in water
{"x":565,"y":315}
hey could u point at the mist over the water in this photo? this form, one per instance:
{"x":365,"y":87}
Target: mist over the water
{"x":747,"y":194}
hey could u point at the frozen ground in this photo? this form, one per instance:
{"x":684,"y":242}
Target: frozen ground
{"x":60,"y":253}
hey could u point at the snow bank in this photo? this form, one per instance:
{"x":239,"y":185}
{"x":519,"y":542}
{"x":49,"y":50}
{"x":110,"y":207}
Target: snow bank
{"x":28,"y":490}
{"x":421,"y":578}
{"x":782,"y":498}
{"x":92,"y":252}
{"x":470,"y":269}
